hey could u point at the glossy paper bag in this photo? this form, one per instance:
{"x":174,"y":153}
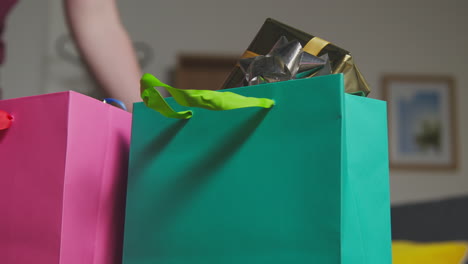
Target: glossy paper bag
{"x":303,"y":182}
{"x":63,"y":167}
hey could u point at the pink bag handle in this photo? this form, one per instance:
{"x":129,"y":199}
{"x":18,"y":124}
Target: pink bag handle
{"x":5,"y":120}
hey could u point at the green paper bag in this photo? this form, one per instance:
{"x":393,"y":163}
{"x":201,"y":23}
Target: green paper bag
{"x":305,"y":181}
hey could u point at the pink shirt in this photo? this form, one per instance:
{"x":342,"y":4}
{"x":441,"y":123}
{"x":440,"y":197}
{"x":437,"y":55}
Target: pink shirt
{"x":5,"y":7}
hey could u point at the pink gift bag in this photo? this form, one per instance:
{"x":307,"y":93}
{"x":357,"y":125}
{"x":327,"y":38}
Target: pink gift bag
{"x":63,"y":169}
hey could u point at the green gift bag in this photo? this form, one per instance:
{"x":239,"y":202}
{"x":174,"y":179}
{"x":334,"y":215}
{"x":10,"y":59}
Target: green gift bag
{"x":305,"y":181}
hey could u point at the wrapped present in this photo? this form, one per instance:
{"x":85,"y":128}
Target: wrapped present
{"x":272,"y":31}
{"x":287,"y":60}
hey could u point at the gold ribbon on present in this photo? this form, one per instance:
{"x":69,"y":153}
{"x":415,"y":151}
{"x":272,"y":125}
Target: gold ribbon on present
{"x":249,"y":54}
{"x":354,"y":81}
{"x":315,"y":45}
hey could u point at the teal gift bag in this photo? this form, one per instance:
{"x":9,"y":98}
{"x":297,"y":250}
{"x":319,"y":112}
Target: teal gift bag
{"x":305,"y":181}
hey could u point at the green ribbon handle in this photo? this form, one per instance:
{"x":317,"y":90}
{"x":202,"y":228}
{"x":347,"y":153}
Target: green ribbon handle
{"x":211,"y":100}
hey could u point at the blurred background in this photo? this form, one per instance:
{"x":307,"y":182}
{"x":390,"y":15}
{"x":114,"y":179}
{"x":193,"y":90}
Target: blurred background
{"x":385,"y":37}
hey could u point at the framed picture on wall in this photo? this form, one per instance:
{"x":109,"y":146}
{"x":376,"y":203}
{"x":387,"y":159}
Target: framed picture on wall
{"x":421,"y":120}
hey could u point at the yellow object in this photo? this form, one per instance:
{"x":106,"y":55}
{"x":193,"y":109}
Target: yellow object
{"x":249,"y":54}
{"x":406,"y":252}
{"x":315,"y":45}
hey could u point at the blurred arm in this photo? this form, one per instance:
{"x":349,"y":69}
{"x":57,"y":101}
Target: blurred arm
{"x":106,"y":47}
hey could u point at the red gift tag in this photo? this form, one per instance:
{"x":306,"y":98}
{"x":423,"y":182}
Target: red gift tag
{"x":5,"y":120}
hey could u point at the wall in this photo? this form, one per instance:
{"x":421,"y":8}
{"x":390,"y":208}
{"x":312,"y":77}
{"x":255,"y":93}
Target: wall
{"x":385,"y":37}
{"x":26,"y":35}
